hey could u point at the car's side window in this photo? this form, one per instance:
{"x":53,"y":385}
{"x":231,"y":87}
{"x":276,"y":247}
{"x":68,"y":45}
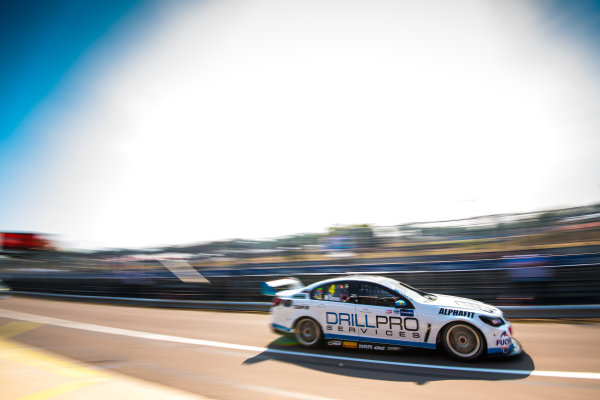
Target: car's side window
{"x":317,"y":293}
{"x":375,"y":295}
{"x":334,"y":291}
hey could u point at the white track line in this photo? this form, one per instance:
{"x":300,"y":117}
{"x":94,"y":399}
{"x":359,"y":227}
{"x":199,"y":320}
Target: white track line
{"x":209,"y":343}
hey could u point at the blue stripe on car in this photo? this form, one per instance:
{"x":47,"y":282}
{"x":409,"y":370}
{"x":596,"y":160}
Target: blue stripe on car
{"x":280,"y":328}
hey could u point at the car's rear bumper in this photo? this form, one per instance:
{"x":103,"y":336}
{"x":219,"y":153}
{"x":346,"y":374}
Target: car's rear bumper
{"x":280,"y":329}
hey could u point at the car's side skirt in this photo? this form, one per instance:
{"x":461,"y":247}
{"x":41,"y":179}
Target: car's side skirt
{"x":380,"y":341}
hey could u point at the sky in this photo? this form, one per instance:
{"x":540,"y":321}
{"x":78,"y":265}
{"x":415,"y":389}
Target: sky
{"x":142,"y":123}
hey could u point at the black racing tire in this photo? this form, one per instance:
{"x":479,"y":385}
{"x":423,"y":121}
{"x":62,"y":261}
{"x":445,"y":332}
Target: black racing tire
{"x":463,"y":341}
{"x":308,"y":332}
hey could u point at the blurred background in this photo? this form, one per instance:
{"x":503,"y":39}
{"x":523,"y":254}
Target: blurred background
{"x":550,"y":257}
{"x":191,"y":149}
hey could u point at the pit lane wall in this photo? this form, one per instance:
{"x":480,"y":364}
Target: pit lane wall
{"x":533,"y":312}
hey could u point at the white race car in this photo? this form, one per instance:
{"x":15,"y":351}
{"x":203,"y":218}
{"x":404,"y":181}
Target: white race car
{"x":379,"y":313}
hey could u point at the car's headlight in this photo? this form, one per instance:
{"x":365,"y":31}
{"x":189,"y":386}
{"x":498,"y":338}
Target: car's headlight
{"x":493,"y":321}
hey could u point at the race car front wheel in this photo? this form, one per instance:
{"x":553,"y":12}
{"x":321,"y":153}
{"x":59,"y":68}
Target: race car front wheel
{"x":462,"y":341}
{"x":308,"y":332}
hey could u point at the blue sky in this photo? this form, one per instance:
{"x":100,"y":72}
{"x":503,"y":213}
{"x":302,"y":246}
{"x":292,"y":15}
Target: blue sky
{"x":574,"y":21}
{"x":40,"y":42}
{"x":140,"y":123}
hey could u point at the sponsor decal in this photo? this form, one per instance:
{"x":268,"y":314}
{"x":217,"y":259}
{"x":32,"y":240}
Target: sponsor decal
{"x":363,"y":345}
{"x":396,"y":311}
{"x":388,"y":311}
{"x":456,"y":313}
{"x":301,"y":307}
{"x":378,"y":347}
{"x":504,"y":342}
{"x":369,"y":325}
{"x":407,"y":313}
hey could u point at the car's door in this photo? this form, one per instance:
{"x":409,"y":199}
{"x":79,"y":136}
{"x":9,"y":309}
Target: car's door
{"x":333,"y":303}
{"x":380,"y":321}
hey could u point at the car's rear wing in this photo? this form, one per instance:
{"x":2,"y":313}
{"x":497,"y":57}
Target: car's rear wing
{"x":268,"y":288}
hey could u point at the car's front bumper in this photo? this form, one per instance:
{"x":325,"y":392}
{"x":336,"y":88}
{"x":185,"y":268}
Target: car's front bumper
{"x":515,"y":350}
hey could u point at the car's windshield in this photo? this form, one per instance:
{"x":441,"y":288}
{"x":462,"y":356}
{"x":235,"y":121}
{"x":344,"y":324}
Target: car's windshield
{"x":403,"y":287}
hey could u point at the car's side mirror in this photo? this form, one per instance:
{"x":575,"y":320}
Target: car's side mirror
{"x":400,"y":304}
{"x":353,"y":298}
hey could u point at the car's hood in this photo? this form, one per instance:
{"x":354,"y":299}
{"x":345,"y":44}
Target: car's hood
{"x":464,"y":304}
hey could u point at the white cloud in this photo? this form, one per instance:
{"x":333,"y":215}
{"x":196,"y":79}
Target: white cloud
{"x":253,"y":119}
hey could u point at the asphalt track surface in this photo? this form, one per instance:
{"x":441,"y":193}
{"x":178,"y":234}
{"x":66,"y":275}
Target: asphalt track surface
{"x":227,"y":355}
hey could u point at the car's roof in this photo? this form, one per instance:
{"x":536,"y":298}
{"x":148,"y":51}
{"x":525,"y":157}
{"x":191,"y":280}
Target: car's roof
{"x":382,"y":280}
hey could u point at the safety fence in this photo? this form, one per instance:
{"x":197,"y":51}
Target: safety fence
{"x":540,"y":285}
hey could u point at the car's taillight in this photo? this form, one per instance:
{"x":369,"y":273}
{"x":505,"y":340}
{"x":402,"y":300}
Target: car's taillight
{"x":276,"y":301}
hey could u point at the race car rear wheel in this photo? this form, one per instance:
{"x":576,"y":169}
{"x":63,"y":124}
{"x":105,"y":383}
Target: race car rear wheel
{"x":463,"y":341}
{"x":308,"y":332}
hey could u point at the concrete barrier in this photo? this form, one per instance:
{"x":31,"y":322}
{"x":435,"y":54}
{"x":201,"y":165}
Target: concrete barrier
{"x":194,"y":304}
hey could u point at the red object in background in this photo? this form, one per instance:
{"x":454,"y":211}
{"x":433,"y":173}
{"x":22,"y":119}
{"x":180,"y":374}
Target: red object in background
{"x":23,"y":241}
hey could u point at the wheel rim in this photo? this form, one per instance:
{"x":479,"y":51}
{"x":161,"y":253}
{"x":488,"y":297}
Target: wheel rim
{"x":307,"y":332}
{"x":462,"y":340}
